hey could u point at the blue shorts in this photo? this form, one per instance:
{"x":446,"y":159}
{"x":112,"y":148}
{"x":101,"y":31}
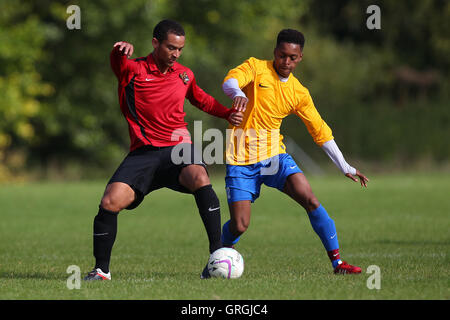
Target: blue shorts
{"x":244,"y":182}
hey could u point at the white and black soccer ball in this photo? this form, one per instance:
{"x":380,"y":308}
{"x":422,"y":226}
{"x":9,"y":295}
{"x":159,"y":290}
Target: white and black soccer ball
{"x":226,"y":263}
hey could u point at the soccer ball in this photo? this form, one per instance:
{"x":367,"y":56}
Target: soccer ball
{"x":226,"y":263}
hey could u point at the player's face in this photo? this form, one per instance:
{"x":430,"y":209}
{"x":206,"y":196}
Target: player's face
{"x":169,"y":50}
{"x":286,"y":57}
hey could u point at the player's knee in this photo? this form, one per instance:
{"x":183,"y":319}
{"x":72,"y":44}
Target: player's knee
{"x":242,"y":226}
{"x":113,"y":204}
{"x":201,"y":179}
{"x":195,"y":178}
{"x":108,"y":204}
{"x":117,"y":197}
{"x":312,"y":203}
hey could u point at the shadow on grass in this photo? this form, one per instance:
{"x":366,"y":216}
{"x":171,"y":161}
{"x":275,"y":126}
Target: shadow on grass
{"x":153,"y":276}
{"x":33,"y":275}
{"x":412,"y":242}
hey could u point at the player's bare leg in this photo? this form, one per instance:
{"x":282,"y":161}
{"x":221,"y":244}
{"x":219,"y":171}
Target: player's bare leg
{"x":299,"y":189}
{"x":117,"y":196}
{"x":240,"y":212}
{"x":194,"y":177}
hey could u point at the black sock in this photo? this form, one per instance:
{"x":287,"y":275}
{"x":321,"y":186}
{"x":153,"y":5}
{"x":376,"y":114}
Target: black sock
{"x":209,"y":207}
{"x":105,"y":230}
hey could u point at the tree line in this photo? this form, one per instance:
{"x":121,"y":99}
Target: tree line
{"x":383,"y":91}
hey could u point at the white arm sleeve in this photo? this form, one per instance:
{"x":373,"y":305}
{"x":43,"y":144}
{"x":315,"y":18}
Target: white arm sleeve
{"x":332,"y":150}
{"x":231,"y":88}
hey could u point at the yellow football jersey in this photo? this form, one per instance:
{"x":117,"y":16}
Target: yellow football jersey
{"x":270,"y":101}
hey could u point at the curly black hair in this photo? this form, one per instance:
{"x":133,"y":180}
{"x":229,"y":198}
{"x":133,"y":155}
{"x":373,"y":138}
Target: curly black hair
{"x":164,"y":27}
{"x":291,"y":36}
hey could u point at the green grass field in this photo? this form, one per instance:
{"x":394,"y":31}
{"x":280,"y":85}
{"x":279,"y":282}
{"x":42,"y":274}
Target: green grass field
{"x":399,"y":223}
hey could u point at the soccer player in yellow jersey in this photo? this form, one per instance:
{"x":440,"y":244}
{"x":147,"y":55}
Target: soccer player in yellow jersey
{"x":267,"y":92}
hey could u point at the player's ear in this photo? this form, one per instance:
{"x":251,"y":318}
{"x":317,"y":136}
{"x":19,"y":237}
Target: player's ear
{"x":155,"y":43}
{"x":275,"y":52}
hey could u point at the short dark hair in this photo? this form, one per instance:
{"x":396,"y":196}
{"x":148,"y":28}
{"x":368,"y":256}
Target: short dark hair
{"x":291,"y":36}
{"x":164,"y":27}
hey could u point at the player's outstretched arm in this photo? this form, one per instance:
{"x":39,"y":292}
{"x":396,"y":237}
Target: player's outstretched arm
{"x":362,"y":178}
{"x":209,"y":104}
{"x":125,"y":48}
{"x":332,"y":150}
{"x":120,"y":63}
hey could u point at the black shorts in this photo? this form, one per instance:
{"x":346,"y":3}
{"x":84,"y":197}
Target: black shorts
{"x":150,"y":168}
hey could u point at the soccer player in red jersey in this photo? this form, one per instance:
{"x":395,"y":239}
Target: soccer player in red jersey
{"x":152,"y":91}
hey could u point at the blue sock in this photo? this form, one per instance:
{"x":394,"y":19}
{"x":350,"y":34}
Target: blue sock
{"x":227,"y":238}
{"x":324,"y":226}
{"x":335,"y":263}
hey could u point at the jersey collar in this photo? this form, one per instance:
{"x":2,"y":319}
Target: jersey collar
{"x":152,"y":65}
{"x":284,"y":80}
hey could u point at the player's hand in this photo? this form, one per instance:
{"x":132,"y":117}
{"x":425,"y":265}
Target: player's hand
{"x":240,"y":103}
{"x":236,"y":118}
{"x":362,"y":178}
{"x":125,"y":47}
